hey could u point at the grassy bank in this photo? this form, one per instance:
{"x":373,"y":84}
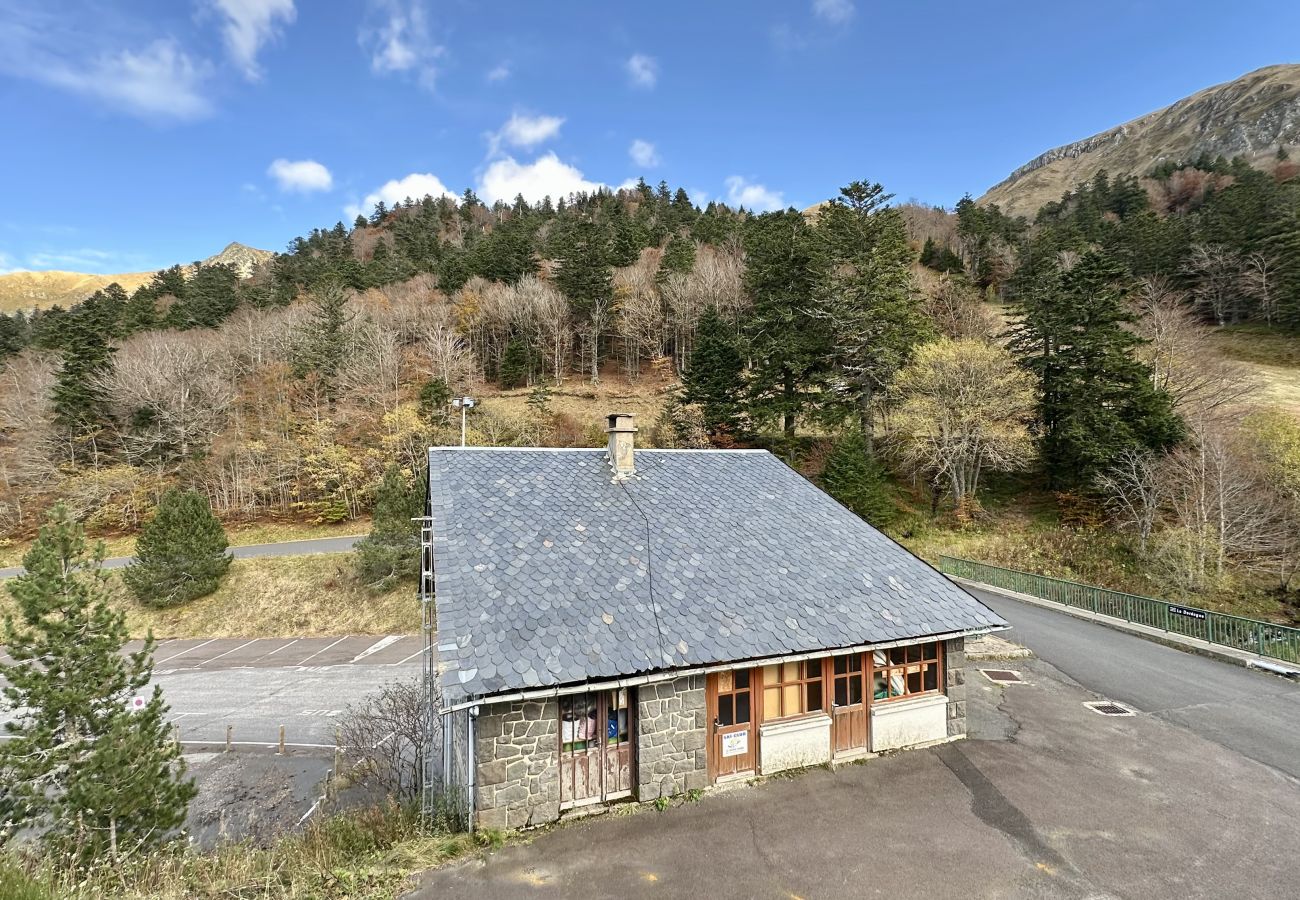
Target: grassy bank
{"x":1028,"y":538}
{"x":302,"y":596}
{"x":11,"y":554}
{"x":366,"y":855}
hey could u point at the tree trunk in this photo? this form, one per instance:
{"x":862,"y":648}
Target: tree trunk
{"x":788,"y":394}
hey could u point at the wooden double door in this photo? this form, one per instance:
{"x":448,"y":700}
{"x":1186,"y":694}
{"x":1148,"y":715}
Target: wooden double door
{"x":596,"y":746}
{"x":735,"y":711}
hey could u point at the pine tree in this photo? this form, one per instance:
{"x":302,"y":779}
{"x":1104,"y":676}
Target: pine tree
{"x":678,"y":258}
{"x":865,"y":295}
{"x":391,"y":551}
{"x":786,"y":340}
{"x":326,"y":339}
{"x":79,"y":402}
{"x":180,"y":554}
{"x":1096,"y":398}
{"x":856,"y":479}
{"x":714,"y":378}
{"x":434,"y":397}
{"x":95,"y":779}
{"x":584,"y":277}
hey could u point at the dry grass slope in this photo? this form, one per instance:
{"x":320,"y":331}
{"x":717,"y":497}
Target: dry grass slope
{"x":286,"y":596}
{"x":1249,"y":116}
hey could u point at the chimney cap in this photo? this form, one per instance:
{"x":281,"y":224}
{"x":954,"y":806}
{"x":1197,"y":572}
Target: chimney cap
{"x":620,"y":422}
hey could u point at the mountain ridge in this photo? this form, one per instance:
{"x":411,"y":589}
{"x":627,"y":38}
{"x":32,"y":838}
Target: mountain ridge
{"x":25,"y":289}
{"x":1250,"y":116}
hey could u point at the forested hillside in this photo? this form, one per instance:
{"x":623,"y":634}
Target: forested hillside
{"x":926,"y":365}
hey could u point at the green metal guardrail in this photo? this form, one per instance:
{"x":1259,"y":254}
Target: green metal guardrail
{"x":1265,"y":638}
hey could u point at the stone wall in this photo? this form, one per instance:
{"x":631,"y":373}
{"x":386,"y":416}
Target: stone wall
{"x":954,"y":665}
{"x":671,"y":738}
{"x":518,"y":764}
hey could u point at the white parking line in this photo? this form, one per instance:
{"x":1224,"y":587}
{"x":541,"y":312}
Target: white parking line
{"x":228,"y":652}
{"x":159,"y":662}
{"x":323,"y":649}
{"x":409,"y":658}
{"x":278,"y":649}
{"x":377,"y":646}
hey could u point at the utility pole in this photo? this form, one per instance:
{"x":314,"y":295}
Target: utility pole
{"x":462,"y":403}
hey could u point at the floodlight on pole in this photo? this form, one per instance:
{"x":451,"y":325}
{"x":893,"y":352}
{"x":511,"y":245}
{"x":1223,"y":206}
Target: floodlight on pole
{"x":462,"y":403}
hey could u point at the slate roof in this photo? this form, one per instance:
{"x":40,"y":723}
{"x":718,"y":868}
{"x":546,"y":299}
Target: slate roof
{"x":548,"y":572}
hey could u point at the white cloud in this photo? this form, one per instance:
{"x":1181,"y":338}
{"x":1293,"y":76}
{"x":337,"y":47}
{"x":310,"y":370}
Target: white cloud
{"x":155,"y":80}
{"x":417,"y":186}
{"x":643,"y":70}
{"x":836,"y":12}
{"x":249,"y":24}
{"x":161,"y":81}
{"x":302,"y":175}
{"x":527,"y":131}
{"x":644,"y":154}
{"x":499,"y":73}
{"x":546,"y":176}
{"x":84,"y":259}
{"x":752,"y":196}
{"x":399,"y":40}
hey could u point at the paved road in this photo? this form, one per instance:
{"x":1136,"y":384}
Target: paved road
{"x":1250,"y":712}
{"x":280,"y":548}
{"x":258,"y":685}
{"x":1047,"y":800}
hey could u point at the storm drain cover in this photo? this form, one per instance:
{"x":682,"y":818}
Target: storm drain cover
{"x":1002,"y":676}
{"x":1109,"y":708}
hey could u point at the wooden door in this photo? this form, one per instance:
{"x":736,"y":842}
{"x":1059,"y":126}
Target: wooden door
{"x":596,"y":746}
{"x":848,"y":703}
{"x":617,"y":747}
{"x":731,"y":723}
{"x":580,"y":748}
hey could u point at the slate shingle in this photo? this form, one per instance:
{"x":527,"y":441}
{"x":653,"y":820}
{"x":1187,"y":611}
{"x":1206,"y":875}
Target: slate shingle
{"x":548,"y":572}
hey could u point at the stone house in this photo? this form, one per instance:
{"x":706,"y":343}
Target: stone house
{"x":633,"y":624}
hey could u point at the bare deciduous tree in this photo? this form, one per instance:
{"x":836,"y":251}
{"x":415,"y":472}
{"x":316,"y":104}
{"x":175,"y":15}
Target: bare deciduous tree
{"x":173,"y":390}
{"x":1184,"y":362}
{"x":1133,"y":491}
{"x":1259,"y":275}
{"x":1216,"y":286}
{"x":385,"y":739}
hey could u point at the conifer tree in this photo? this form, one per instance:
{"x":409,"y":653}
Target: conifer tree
{"x":326,"y":338}
{"x":678,"y":258}
{"x":96,"y":779}
{"x":855,"y":478}
{"x":786,"y":340}
{"x":864,"y":292}
{"x":713,"y":378}
{"x":1096,"y":398}
{"x":391,"y":551}
{"x":181,"y":552}
{"x":79,"y":402}
{"x":584,"y":277}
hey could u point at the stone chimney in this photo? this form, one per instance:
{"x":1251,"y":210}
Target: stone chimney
{"x":622,"y":438}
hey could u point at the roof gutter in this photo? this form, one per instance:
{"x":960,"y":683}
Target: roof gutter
{"x":669,"y":674}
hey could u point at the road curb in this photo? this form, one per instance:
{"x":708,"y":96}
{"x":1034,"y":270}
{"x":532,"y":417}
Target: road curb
{"x":1176,"y":641}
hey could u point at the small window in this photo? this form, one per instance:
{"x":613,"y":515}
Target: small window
{"x":726,"y":710}
{"x":792,"y":688}
{"x":905,"y":671}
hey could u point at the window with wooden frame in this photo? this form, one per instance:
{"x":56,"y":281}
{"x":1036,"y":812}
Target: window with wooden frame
{"x":901,"y":672}
{"x":792,"y":689}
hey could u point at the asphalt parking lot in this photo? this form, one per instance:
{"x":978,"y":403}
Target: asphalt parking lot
{"x":1046,"y":799}
{"x":254,"y":686}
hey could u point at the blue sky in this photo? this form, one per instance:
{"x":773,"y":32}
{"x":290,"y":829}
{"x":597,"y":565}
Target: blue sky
{"x":144,"y":133}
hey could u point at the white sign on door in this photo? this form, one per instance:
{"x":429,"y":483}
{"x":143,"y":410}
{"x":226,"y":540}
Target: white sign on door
{"x":735,"y":744}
